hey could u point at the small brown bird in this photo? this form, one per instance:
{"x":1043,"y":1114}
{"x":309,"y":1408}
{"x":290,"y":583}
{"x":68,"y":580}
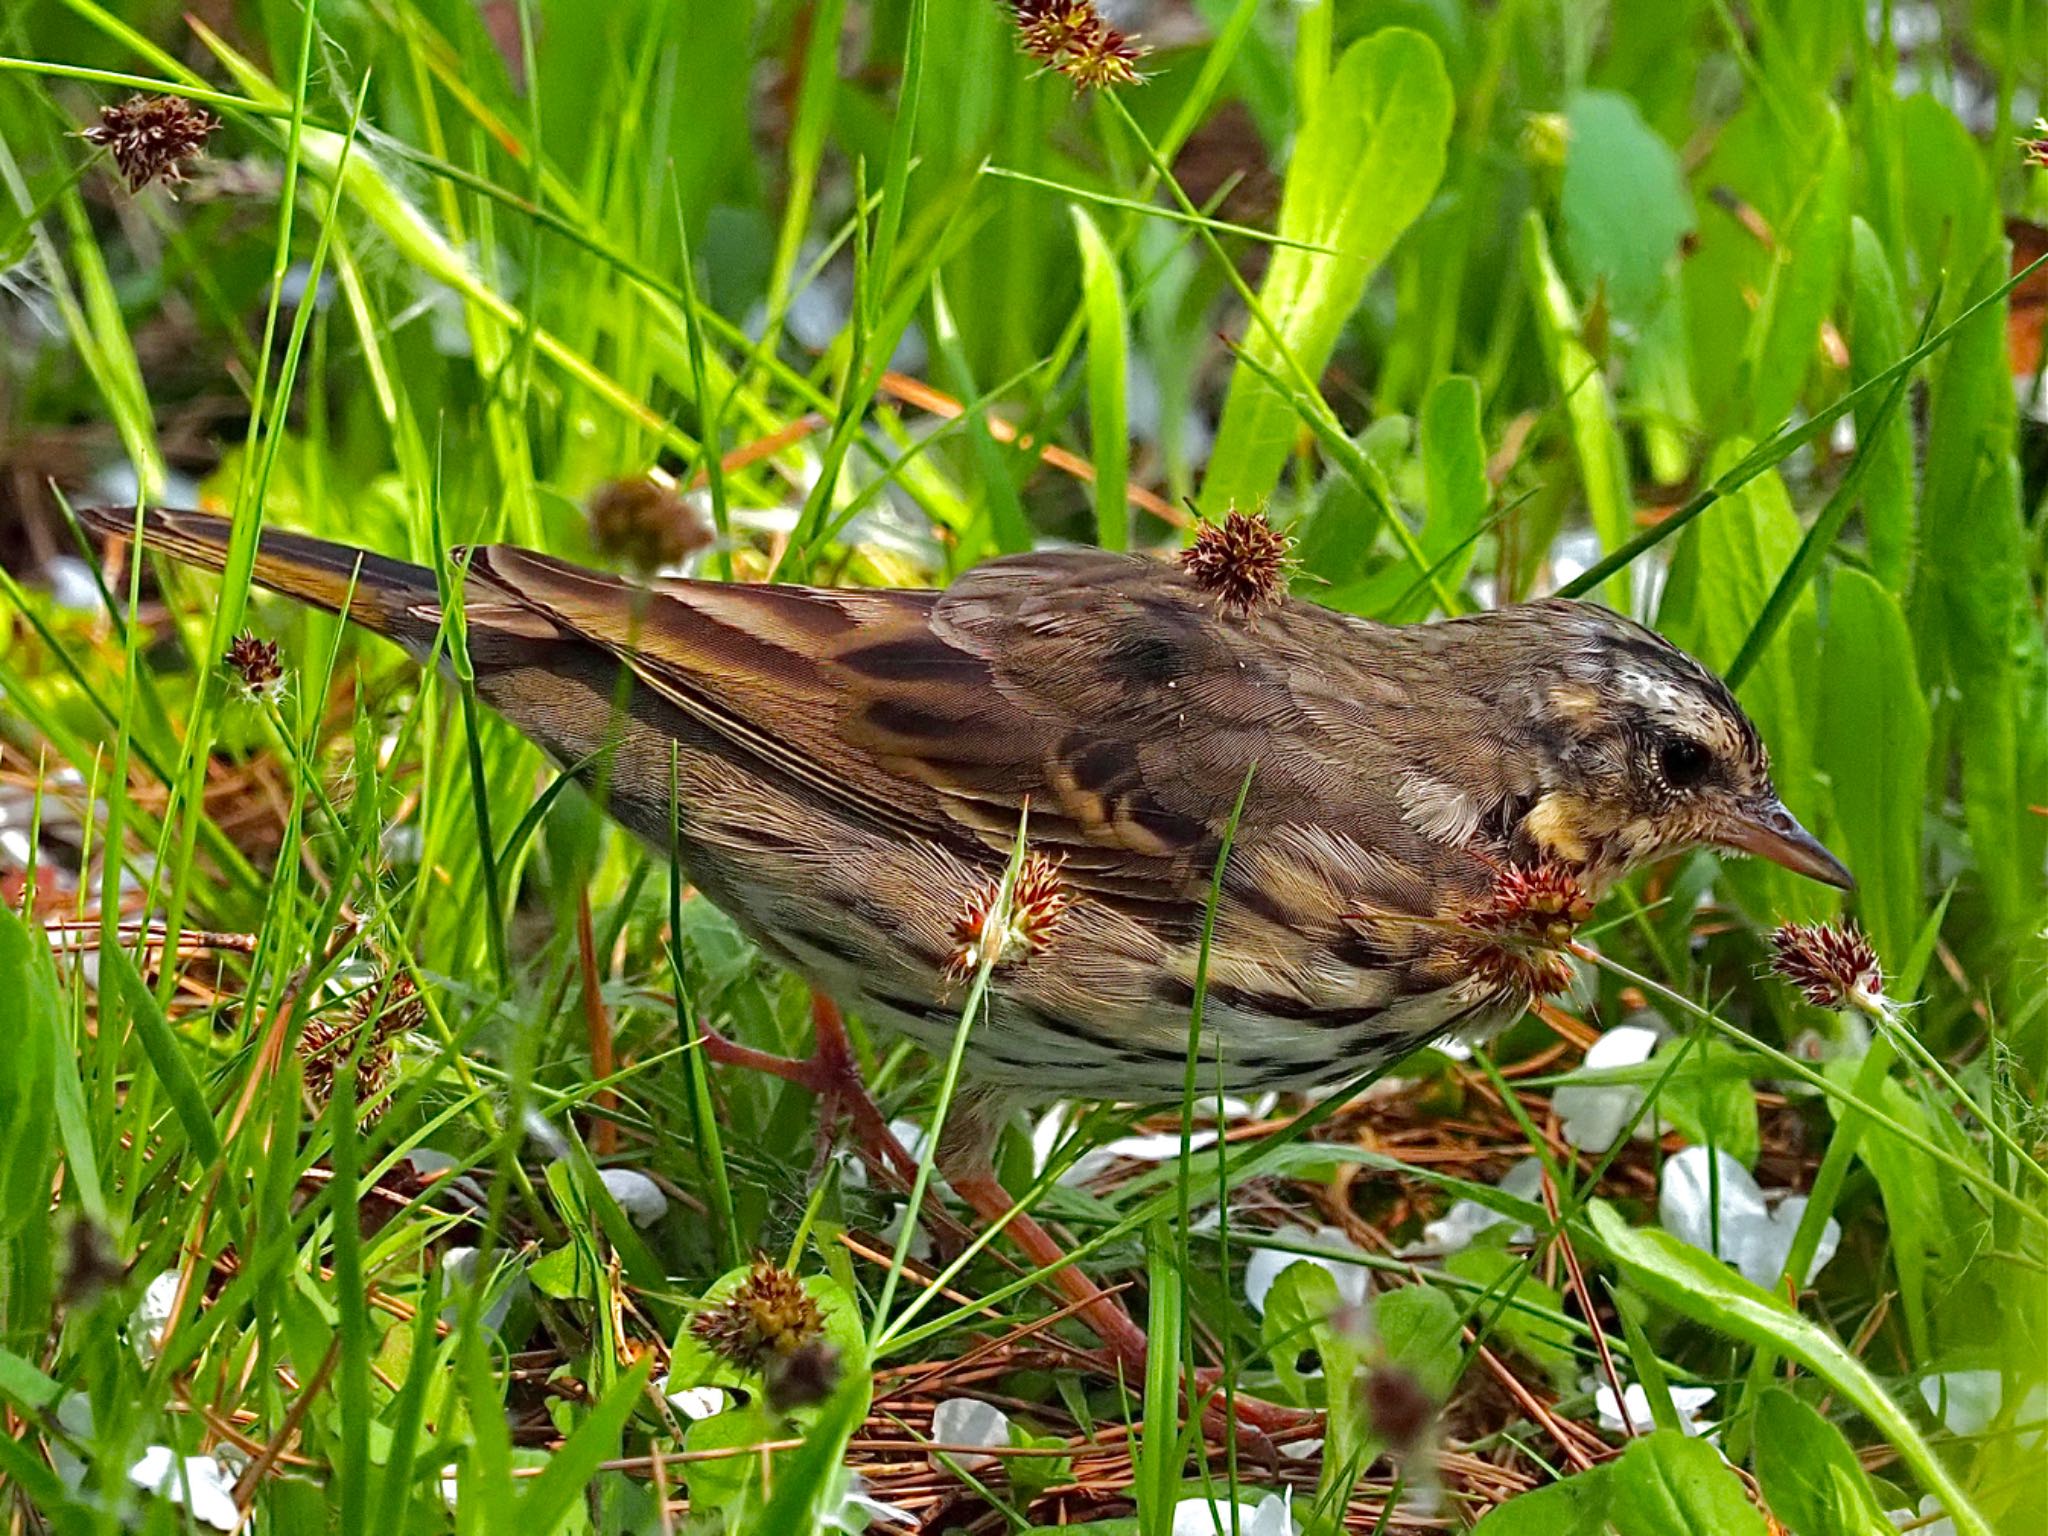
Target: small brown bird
{"x":1431,"y":808}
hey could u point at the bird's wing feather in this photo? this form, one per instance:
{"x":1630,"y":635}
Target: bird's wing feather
{"x":1106,"y":691}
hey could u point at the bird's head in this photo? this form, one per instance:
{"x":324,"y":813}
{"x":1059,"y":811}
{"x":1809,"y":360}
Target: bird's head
{"x":1644,"y":752}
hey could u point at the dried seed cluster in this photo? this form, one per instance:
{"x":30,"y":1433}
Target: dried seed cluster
{"x":769,"y":1316}
{"x":641,"y":523}
{"x":1834,"y":967}
{"x":1072,"y":37}
{"x":1242,"y":561}
{"x":152,"y":138}
{"x":369,"y":1030}
{"x":256,"y":664}
{"x":1037,"y":903}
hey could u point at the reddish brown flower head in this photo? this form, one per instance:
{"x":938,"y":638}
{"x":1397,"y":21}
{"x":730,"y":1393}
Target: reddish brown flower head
{"x":1072,"y":37}
{"x":1037,"y":903}
{"x":256,"y":665}
{"x":1544,"y":904}
{"x":643,"y":524}
{"x":1834,"y":967}
{"x":1522,"y":929}
{"x":1242,"y":560}
{"x":152,"y":138}
{"x":768,"y":1316}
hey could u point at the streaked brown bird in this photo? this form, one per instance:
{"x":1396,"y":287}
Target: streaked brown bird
{"x":1431,"y":808}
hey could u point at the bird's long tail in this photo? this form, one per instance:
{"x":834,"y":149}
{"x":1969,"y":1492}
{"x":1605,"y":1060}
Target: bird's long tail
{"x":392,"y":597}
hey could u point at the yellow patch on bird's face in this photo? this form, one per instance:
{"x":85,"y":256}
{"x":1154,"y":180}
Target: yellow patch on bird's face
{"x":1557,"y":825}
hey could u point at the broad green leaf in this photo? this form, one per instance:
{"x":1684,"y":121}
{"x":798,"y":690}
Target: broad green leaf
{"x":1297,"y":1315}
{"x":1588,"y":404}
{"x":1577,"y":1506}
{"x":1488,"y":1265}
{"x":1695,"y":1285}
{"x":1454,"y":472}
{"x":1972,"y":610}
{"x":1419,"y":1328}
{"x":1669,"y":1484}
{"x":1878,"y":337}
{"x":1722,"y":574}
{"x":1102,"y":302}
{"x":1809,"y":1475}
{"x":1710,"y":1098}
{"x":1806,"y":274}
{"x":1927,"y":1215}
{"x":31,"y":1026}
{"x":1873,"y":744}
{"x":1624,"y":207}
{"x":1951,"y":208}
{"x":1367,"y":162}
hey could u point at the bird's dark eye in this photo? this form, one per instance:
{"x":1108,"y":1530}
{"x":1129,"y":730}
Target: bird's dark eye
{"x":1683,"y":762}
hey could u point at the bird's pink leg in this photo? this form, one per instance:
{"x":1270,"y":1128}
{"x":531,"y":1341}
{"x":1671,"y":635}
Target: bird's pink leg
{"x":833,"y":1074}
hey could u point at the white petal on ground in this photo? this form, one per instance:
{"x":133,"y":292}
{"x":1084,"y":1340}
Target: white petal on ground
{"x":1145,"y":1147}
{"x":74,"y":1417}
{"x":694,"y":1403}
{"x":1634,"y":1408}
{"x":1930,"y":1509}
{"x":854,"y":1509}
{"x":638,"y":1195}
{"x":543,"y":1135}
{"x":200,"y":1483}
{"x":1968,"y":1401}
{"x":1466,"y":1219}
{"x":1755,"y":1234}
{"x":1593,"y":1114}
{"x":152,"y":1315}
{"x":1213,"y":1517}
{"x":1266,"y":1265}
{"x":463,"y":1266}
{"x":967,"y":1421}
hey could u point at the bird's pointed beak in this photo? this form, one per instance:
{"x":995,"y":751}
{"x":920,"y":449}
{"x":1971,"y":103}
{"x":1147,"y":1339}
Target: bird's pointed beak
{"x":1765,"y":828}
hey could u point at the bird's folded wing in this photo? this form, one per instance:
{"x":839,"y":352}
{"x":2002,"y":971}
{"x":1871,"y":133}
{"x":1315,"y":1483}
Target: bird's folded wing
{"x":1106,"y":692}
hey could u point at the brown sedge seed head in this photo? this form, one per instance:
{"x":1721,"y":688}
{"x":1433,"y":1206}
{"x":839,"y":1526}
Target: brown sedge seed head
{"x":1038,"y":901}
{"x":1242,"y":562}
{"x":152,"y":138}
{"x":326,"y":1043}
{"x":769,"y":1315}
{"x":1834,"y":967}
{"x":256,"y":665}
{"x":1072,"y":36}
